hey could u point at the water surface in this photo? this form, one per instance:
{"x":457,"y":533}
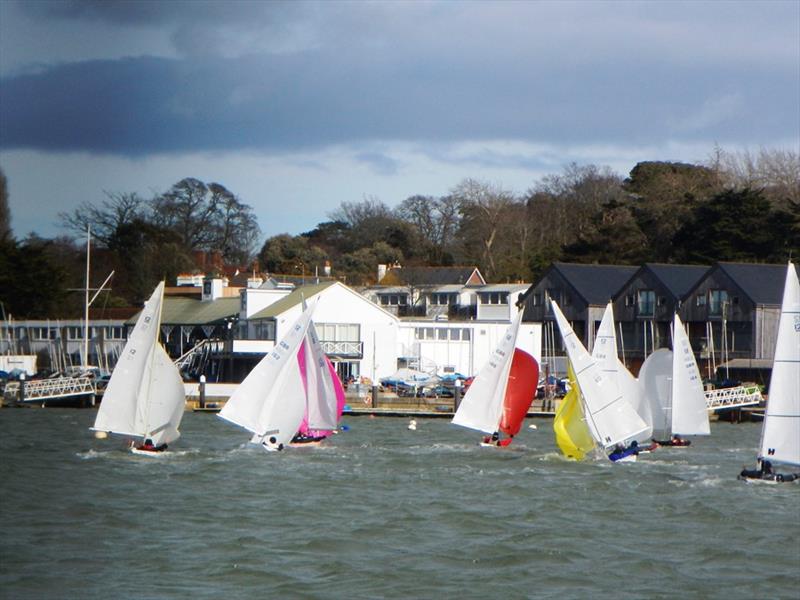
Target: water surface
{"x":384,"y":512}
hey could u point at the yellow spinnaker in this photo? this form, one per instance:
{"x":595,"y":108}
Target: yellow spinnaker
{"x":572,"y":433}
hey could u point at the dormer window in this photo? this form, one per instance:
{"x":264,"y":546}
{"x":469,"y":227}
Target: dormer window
{"x":645,"y":305}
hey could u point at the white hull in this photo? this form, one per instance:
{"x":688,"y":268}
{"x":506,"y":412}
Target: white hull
{"x":149,"y":453}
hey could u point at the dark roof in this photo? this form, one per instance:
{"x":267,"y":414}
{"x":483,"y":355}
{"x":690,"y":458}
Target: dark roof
{"x":429,"y":275}
{"x":763,"y":284}
{"x":678,"y":279}
{"x":596,"y":284}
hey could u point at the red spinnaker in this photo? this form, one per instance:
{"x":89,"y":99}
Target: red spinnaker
{"x":522,"y":381}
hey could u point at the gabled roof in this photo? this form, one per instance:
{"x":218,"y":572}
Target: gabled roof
{"x":427,"y":276}
{"x":678,"y":279}
{"x":177,"y":310}
{"x":596,"y":284}
{"x":763,"y":284}
{"x":293,"y":299}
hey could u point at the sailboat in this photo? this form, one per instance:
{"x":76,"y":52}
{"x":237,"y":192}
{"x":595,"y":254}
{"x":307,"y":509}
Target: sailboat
{"x":605,"y":352}
{"x":780,"y":433}
{"x":612,"y":421}
{"x":569,"y":425}
{"x":502,"y":392}
{"x":145,"y":397}
{"x":674,"y":389}
{"x":292,"y":389}
{"x":325,"y":396}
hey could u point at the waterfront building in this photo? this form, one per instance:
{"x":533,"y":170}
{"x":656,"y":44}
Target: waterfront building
{"x":645,"y":305}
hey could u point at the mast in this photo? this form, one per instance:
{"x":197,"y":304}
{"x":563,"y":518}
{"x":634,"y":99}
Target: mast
{"x":86,"y":300}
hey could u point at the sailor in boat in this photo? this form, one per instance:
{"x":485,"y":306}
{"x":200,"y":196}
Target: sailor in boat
{"x":494,"y":440}
{"x":620,"y":451}
{"x":767,"y":473}
{"x":676,"y":441}
{"x":149,"y":446}
{"x":303,"y":438}
{"x":272,"y":444}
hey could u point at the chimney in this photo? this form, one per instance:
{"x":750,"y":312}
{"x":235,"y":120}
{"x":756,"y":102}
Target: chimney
{"x":327,"y":268}
{"x":212,"y":289}
{"x":381,"y":272}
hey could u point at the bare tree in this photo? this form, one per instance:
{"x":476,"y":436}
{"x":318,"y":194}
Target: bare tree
{"x":774,"y":171}
{"x":436,"y":219}
{"x":116,"y":210}
{"x":207,"y":217}
{"x":484,"y":210}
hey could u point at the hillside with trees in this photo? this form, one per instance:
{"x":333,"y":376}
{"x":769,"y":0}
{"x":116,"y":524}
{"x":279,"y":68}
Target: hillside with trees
{"x":735,"y":207}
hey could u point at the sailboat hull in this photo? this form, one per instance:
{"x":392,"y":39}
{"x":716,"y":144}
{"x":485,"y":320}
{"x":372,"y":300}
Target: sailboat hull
{"x":151,"y":454}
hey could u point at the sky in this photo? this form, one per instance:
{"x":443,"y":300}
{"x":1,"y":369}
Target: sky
{"x":298,"y":107}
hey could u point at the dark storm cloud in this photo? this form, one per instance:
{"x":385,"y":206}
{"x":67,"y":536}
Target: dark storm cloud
{"x":302,"y":75}
{"x":305,"y":100}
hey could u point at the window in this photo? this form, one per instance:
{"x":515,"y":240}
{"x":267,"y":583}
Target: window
{"x":717,"y":299}
{"x":429,"y":335}
{"x":74,"y":333}
{"x":629,"y":300}
{"x":39,"y":333}
{"x":646,"y":300}
{"x":441,"y":334}
{"x":393,"y":299}
{"x":339,"y":332}
{"x":465,"y":334}
{"x":455,"y":335}
{"x":265,"y":330}
{"x":662,"y":300}
{"x":442,"y":299}
{"x":701,"y":300}
{"x":115,"y":332}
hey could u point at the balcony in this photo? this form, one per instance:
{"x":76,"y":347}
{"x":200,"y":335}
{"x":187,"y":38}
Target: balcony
{"x":354,"y":350}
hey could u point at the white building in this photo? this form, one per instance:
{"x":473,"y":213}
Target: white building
{"x":358,"y":336}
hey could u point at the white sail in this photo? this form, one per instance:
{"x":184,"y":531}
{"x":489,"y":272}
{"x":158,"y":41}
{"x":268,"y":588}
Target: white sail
{"x":605,"y":353}
{"x":780,"y":436}
{"x":145,"y":396}
{"x":482,"y":405}
{"x":611,"y":419}
{"x":321,"y":393}
{"x":655,"y":377}
{"x":271,"y":400}
{"x":689,"y":411}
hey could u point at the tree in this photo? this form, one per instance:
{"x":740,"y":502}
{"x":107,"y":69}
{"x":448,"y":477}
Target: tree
{"x":664,"y":196}
{"x":5,"y":213}
{"x":207,"y":217}
{"x":484,"y":214}
{"x":436,"y":221}
{"x":144,"y":254}
{"x":613,"y":238}
{"x":776,"y":172}
{"x":734,"y":226}
{"x":117,"y":210}
{"x":291,"y":255}
{"x":23,"y":269}
{"x":237,"y":229}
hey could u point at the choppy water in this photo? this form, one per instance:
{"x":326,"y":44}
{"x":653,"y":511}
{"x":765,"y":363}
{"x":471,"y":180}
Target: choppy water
{"x":383,"y":512}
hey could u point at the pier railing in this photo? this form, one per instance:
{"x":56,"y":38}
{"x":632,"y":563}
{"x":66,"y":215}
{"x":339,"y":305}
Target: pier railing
{"x":41,"y":390}
{"x":733,"y":397}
